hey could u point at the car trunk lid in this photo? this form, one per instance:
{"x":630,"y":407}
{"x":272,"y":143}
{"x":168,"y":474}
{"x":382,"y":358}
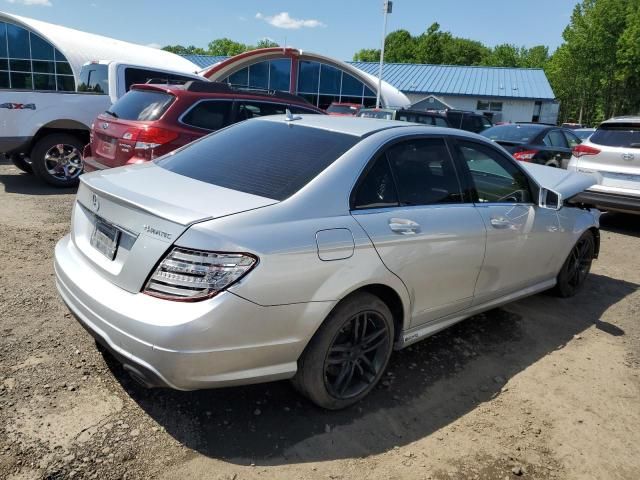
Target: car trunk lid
{"x":126,"y":219}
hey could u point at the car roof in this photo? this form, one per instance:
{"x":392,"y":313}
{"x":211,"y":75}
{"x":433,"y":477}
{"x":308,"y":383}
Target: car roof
{"x":224,"y":91}
{"x":624,"y":119}
{"x":356,"y":126}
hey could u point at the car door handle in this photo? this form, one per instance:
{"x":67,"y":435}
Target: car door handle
{"x":500,"y":222}
{"x":404,"y":226}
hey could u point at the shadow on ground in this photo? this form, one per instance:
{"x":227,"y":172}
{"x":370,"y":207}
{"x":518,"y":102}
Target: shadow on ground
{"x":622,"y":223}
{"x":28,"y":184}
{"x":427,"y":386}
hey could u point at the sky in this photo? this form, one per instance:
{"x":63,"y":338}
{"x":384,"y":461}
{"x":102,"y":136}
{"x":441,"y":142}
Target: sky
{"x":337,"y":28}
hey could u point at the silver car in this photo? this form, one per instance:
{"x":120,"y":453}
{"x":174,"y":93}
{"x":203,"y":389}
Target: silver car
{"x":309,"y":248}
{"x":612,"y":152}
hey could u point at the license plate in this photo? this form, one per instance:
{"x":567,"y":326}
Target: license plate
{"x":107,"y":147}
{"x":105,"y":238}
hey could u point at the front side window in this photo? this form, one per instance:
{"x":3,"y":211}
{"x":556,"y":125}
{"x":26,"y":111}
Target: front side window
{"x":28,"y":62}
{"x":424,"y":172}
{"x":209,"y":115}
{"x":496,"y":179}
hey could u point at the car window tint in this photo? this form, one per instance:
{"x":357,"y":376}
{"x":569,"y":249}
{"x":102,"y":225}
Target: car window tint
{"x":134,"y":76}
{"x":555,"y":138}
{"x":377,"y":189}
{"x":272,"y":159}
{"x":425,"y":119}
{"x":298,"y":110}
{"x":496,"y":178}
{"x":210,"y":115}
{"x":572,"y":140}
{"x":142,"y":105}
{"x":248,"y":109}
{"x":617,"y":135}
{"x":440,"y":122}
{"x":424,"y":172}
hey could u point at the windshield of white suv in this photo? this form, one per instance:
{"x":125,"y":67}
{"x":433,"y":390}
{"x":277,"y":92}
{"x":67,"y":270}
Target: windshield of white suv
{"x":264,"y":158}
{"x":617,"y":135}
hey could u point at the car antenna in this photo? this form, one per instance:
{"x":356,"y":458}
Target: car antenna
{"x":289,"y":117}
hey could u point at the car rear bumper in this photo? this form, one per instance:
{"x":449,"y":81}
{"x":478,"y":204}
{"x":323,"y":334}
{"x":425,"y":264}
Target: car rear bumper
{"x":91,"y":164}
{"x":609,"y":201}
{"x":223,"y":341}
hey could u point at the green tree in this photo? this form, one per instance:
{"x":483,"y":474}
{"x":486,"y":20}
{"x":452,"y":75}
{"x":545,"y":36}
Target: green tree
{"x":226,"y":47}
{"x":181,"y":50}
{"x":367,"y":55}
{"x":505,"y":55}
{"x":265,"y":43}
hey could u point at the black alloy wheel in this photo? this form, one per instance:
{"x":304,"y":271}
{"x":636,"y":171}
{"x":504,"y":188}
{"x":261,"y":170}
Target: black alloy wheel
{"x":577,"y":266}
{"x":347,"y":356}
{"x":357,"y":355}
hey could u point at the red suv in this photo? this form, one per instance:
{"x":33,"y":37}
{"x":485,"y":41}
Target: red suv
{"x":152,"y":120}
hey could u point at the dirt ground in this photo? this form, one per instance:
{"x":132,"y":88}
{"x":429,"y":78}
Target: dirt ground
{"x":544,"y":388}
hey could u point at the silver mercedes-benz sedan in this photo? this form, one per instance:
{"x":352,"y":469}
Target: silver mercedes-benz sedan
{"x":310,"y":248}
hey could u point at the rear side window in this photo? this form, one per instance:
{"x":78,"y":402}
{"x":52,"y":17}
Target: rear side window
{"x":94,"y":78}
{"x":424,"y":172}
{"x":247,"y":109}
{"x":377,"y":190}
{"x":209,"y":115}
{"x":134,"y":76}
{"x":143,"y":105}
{"x":617,"y":135}
{"x":440,"y":122}
{"x":264,"y":158}
{"x":555,"y":138}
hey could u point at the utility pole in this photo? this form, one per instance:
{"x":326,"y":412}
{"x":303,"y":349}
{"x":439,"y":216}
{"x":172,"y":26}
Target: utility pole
{"x":387,"y":8}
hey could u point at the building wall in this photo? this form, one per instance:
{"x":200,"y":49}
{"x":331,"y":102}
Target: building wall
{"x":513,"y":110}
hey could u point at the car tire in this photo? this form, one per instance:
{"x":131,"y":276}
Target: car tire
{"x":340,"y":365}
{"x":576,"y":267}
{"x":21,"y":163}
{"x":57,"y":159}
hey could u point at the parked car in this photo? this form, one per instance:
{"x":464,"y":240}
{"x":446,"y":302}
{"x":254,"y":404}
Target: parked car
{"x":405,"y":115}
{"x":308,"y":247}
{"x":152,"y":120}
{"x":583,"y":133}
{"x":469,"y":121}
{"x":44,"y":132}
{"x":344,"y":109}
{"x":535,"y":142}
{"x":613,"y":154}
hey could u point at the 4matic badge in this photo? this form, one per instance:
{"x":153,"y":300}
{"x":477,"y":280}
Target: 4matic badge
{"x":18,"y":106}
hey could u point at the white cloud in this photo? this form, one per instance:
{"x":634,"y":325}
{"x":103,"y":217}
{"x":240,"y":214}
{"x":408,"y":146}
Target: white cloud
{"x":154,"y":45}
{"x":284,"y":20}
{"x":42,"y":3}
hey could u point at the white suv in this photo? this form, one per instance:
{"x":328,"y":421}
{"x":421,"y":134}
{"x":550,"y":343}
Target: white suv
{"x":613,"y":152}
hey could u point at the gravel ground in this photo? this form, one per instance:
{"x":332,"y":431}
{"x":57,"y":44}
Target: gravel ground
{"x":544,"y":388}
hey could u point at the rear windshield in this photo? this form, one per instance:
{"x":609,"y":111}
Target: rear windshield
{"x":94,"y":78}
{"x":143,"y":105}
{"x":264,"y":158}
{"x":512,"y":133}
{"x":384,"y":114}
{"x":617,"y":135}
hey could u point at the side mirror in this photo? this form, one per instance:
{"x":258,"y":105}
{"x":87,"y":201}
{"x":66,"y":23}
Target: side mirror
{"x":550,"y":199}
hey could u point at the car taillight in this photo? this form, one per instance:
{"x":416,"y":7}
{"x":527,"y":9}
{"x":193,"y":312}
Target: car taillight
{"x":191,"y":275}
{"x":149,"y":137}
{"x":525,"y":155}
{"x":582,"y":150}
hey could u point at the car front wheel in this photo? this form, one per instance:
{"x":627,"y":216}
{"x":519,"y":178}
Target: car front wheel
{"x":577,"y":266}
{"x":57,"y":159}
{"x":348,"y":354}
